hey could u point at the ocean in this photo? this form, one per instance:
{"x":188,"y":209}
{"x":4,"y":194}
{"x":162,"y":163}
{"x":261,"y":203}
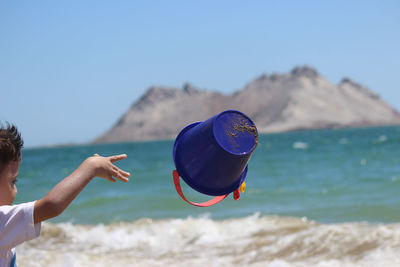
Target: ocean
{"x":313,"y":198}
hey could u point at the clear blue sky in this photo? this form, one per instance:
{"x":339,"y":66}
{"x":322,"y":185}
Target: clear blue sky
{"x":70,"y":69}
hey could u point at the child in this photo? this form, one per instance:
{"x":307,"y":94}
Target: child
{"x":20,"y":223}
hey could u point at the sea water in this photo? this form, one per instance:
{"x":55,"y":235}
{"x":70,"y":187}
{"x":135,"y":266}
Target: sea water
{"x":313,"y":198}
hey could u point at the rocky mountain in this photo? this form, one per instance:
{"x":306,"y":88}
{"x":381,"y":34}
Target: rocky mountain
{"x":301,"y":99}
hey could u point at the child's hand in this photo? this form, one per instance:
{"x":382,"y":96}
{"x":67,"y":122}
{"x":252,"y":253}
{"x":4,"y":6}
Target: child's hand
{"x":104,"y":168}
{"x":58,"y":199}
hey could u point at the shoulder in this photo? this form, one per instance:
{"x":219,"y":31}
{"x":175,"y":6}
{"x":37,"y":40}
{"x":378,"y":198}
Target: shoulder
{"x":16,"y":224}
{"x":8,"y":211}
{"x":5,"y":209}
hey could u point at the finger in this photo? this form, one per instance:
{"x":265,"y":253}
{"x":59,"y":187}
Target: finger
{"x":117,"y":157}
{"x":96,"y":155}
{"x":123,"y":179}
{"x":120,"y":176}
{"x":122,"y":172}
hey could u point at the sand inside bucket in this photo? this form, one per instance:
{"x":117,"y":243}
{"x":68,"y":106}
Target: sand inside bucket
{"x":241,"y":125}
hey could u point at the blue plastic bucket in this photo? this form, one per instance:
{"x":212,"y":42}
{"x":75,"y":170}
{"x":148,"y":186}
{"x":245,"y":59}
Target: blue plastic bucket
{"x":212,"y":156}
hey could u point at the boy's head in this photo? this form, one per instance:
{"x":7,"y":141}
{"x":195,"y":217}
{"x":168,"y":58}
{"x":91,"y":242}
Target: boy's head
{"x":11,"y":144}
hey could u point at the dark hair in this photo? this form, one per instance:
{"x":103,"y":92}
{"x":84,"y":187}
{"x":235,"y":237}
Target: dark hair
{"x":11,"y":144}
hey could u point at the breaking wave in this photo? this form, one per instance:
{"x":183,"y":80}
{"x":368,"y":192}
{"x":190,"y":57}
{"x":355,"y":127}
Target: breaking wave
{"x":248,"y":241}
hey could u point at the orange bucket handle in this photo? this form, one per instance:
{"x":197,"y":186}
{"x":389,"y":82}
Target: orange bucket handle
{"x":217,"y":199}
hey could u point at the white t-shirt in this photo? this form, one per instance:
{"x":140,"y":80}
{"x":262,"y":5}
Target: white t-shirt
{"x":16,"y":227}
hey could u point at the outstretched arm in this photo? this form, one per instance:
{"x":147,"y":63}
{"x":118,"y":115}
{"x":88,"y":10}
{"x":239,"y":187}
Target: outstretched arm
{"x":59,"y":198}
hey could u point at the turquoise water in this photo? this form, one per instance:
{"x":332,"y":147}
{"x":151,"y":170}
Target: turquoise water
{"x":313,"y":198}
{"x":330,"y":176}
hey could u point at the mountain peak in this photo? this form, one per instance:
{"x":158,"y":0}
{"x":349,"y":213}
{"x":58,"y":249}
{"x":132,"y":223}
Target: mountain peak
{"x":348,"y":81}
{"x":305,"y":71}
{"x":189,"y":89}
{"x":157,"y":93}
{"x":275,"y":103}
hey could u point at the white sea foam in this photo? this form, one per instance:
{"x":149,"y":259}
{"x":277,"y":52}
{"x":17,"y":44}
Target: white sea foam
{"x":382,"y":138}
{"x":300,"y":145}
{"x":249,"y":241}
